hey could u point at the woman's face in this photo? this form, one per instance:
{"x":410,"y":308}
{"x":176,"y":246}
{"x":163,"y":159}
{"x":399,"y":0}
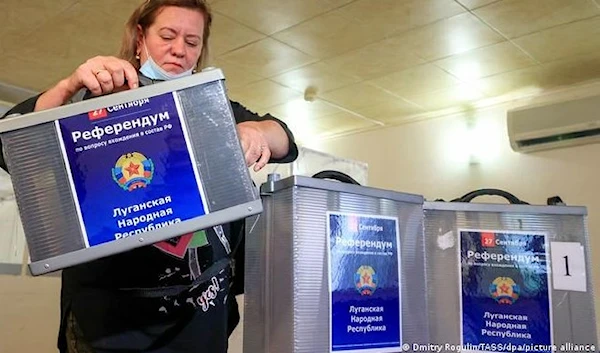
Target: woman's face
{"x":174,"y":40}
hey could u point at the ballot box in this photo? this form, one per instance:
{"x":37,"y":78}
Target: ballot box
{"x":334,"y":266}
{"x":509,"y":278}
{"x":125,"y":170}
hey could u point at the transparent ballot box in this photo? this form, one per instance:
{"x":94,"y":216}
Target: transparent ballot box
{"x":509,"y":278}
{"x":334,"y":266}
{"x":130,"y":169}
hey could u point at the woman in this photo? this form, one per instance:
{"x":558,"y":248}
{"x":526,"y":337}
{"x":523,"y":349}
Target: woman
{"x":164,"y":39}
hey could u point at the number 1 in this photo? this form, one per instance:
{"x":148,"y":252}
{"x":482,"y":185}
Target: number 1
{"x":567,"y":265}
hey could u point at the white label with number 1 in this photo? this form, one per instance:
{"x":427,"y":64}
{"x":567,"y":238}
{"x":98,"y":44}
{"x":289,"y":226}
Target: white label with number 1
{"x":568,"y":266}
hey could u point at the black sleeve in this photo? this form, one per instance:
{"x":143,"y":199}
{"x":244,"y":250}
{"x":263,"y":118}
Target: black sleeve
{"x":242,"y":114}
{"x":24,"y":107}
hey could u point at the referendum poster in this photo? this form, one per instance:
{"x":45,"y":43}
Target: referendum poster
{"x":364,"y":283}
{"x":505,"y":298}
{"x":131,"y":168}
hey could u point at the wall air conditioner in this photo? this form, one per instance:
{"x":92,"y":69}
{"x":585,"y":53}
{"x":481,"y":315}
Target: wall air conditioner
{"x":558,"y":125}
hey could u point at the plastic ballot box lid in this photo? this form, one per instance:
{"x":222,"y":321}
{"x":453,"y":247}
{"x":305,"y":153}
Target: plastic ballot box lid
{"x":130,"y":169}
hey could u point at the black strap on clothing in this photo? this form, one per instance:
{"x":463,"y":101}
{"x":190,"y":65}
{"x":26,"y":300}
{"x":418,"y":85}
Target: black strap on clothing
{"x":172,"y":291}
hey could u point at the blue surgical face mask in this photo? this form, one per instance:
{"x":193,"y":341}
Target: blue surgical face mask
{"x":152,"y":70}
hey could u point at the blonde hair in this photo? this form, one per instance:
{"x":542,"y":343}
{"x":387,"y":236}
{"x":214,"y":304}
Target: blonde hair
{"x":145,"y":15}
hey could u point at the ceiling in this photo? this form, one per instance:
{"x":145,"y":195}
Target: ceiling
{"x":363,"y":64}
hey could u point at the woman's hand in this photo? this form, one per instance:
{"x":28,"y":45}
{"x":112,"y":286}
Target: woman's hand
{"x":254,"y":144}
{"x":101,"y":75}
